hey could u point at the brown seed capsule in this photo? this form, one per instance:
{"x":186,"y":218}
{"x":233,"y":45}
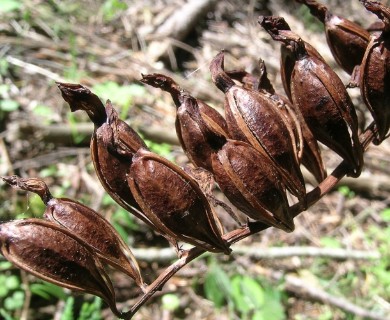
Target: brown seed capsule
{"x":174,"y":202}
{"x":263,"y":85}
{"x":347,"y":40}
{"x":247,"y":177}
{"x":190,"y":137}
{"x":112,"y":145}
{"x":53,"y":254}
{"x":375,"y":72}
{"x":287,"y":59}
{"x":254,"y":117}
{"x":321,"y":97}
{"x":309,"y":153}
{"x":84,"y":223}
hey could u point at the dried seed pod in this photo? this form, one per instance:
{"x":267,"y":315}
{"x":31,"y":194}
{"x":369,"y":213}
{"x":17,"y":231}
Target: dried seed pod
{"x":86,"y":224}
{"x":112,"y":144}
{"x":256,"y":188}
{"x":174,"y":202}
{"x":375,"y":72}
{"x":347,"y":40}
{"x":190,"y":137}
{"x":287,"y":59}
{"x":310,"y":155}
{"x":263,"y":85}
{"x":321,"y":97}
{"x":247,"y":177}
{"x":254,"y":117}
{"x":53,"y":254}
{"x":248,"y":80}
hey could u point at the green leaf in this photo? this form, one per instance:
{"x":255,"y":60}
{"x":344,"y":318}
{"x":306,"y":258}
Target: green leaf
{"x":247,"y":294}
{"x":5,"y":265}
{"x":76,"y":135}
{"x":35,"y":205}
{"x":91,"y":311}
{"x":4,"y":88}
{"x":9,"y":6}
{"x":237,"y":296}
{"x":44,"y":112}
{"x":111,"y":8}
{"x":120,"y":95}
{"x":5,"y":314}
{"x":272,"y":307}
{"x":3,"y":290}
{"x":67,"y":313}
{"x":259,"y":315}
{"x":47,"y":290}
{"x":386,"y":215}
{"x":346,"y":191}
{"x":8,"y":105}
{"x":329,"y":242}
{"x":170,"y":302}
{"x":15,"y":301}
{"x":217,"y":285}
{"x":4,"y":66}
{"x":119,"y":228}
{"x":162,"y":149}
{"x":12,"y":282}
{"x":124,"y":218}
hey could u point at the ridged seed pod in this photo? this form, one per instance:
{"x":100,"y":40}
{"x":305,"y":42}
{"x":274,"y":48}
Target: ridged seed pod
{"x":247,"y":177}
{"x":174,"y":202}
{"x":375,"y":72}
{"x":347,"y":40}
{"x":309,"y":152}
{"x":86,"y":224}
{"x":54,"y":254}
{"x":254,"y":117}
{"x":112,"y":144}
{"x":188,"y":132}
{"x":287,"y":59}
{"x":322,"y":98}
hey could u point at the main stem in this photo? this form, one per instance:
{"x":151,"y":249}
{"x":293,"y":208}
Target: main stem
{"x":252,"y":227}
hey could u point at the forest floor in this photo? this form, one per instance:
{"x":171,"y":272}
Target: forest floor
{"x":335,"y":265}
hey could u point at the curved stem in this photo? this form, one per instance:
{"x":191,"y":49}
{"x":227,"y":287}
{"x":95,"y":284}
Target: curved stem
{"x":252,"y":227}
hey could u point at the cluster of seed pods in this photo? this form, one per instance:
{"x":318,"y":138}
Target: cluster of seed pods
{"x":254,"y":153}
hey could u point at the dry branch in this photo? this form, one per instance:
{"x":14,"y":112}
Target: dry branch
{"x":256,"y":252}
{"x":302,"y":288}
{"x":178,"y":26}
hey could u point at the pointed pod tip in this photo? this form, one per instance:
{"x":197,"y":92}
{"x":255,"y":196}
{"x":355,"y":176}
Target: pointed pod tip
{"x":11,"y":180}
{"x":161,"y":81}
{"x":34,"y":185}
{"x":220,"y":78}
{"x":289,"y":226}
{"x":273,"y":25}
{"x":71,"y":88}
{"x":80,"y":97}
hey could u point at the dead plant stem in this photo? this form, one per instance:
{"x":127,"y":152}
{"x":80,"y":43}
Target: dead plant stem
{"x":250,"y":228}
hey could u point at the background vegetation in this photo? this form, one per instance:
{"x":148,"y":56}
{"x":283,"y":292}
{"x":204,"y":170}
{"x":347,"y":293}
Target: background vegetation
{"x":334,"y":266}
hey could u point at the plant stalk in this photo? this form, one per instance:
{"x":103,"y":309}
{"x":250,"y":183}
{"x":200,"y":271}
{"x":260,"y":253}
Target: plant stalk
{"x":251,"y":227}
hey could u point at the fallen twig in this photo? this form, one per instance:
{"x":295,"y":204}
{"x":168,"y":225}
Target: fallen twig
{"x":302,"y":288}
{"x":34,"y":69}
{"x":256,"y":252}
{"x":178,"y":26}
